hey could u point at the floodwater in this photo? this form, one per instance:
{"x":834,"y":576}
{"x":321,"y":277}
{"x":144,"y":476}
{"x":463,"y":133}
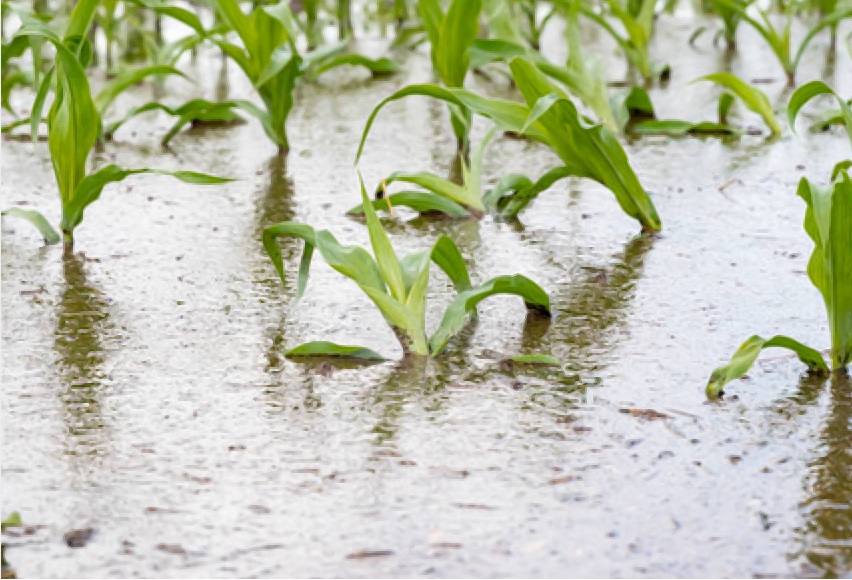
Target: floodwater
{"x":145,"y":395}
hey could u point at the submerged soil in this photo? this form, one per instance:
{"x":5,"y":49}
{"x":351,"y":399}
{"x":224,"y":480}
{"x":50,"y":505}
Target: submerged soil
{"x":145,"y":396}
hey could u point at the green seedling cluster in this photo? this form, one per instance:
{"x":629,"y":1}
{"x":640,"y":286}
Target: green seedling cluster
{"x":573,"y":108}
{"x":397,"y":286}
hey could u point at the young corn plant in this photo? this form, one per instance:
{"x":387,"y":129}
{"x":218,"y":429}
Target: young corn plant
{"x":398,"y":287}
{"x":779,"y":38}
{"x":550,"y":117}
{"x":511,"y":194}
{"x":73,"y":124}
{"x":813,"y":89}
{"x":272,"y":62}
{"x":753,"y":98}
{"x":828,"y":222}
{"x":637,"y":20}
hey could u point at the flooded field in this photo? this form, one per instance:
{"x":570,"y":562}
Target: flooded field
{"x":146,"y":396}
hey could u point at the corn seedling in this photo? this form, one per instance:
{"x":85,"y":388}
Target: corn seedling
{"x":637,"y":20}
{"x":550,"y":117}
{"x":779,"y":38}
{"x":398,"y":287}
{"x":73,"y":126}
{"x":813,"y":89}
{"x":828,"y":222}
{"x":270,"y":59}
{"x":445,"y":197}
{"x":753,"y":98}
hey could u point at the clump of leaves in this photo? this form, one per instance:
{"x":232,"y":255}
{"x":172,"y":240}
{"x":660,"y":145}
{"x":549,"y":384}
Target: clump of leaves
{"x":74,"y":125}
{"x":588,"y":150}
{"x":398,"y":287}
{"x":828,"y":222}
{"x":443,"y":196}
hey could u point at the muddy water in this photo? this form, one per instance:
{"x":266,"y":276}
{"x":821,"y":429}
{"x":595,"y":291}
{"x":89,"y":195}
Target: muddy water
{"x":145,"y":395}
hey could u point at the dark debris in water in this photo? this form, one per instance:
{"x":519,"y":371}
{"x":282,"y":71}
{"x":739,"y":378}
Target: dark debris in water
{"x":79,"y":538}
{"x":364,"y":554}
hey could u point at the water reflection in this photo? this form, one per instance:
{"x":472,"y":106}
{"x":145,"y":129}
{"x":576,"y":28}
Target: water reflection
{"x":827,"y":532}
{"x":274,"y":206}
{"x":83,"y":326}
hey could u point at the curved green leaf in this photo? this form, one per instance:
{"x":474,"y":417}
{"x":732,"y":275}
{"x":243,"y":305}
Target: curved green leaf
{"x":91,"y":186}
{"x":813,"y":89}
{"x":50,"y":235}
{"x":376,"y":66}
{"x":746,"y":355}
{"x":456,"y":314}
{"x":273,"y":250}
{"x":128,"y":78}
{"x":420,"y":201}
{"x":751,"y":97}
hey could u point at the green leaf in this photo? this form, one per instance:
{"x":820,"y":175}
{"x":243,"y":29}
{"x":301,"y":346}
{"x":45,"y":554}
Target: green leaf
{"x":90,"y":188}
{"x":12,"y":521}
{"x":456,"y":314}
{"x":273,"y":250}
{"x":752,"y":97}
{"x":439,"y":186}
{"x":38,"y":220}
{"x":323,"y":349}
{"x":446,"y":255}
{"x":383,"y":250}
{"x":459,"y":30}
{"x":591,"y":151}
{"x":677,"y":128}
{"x":420,"y":201}
{"x":746,"y":355}
{"x":512,"y":205}
{"x":377,"y":67}
{"x":128,"y":78}
{"x":402,"y":319}
{"x":810,"y":90}
{"x":828,"y":222}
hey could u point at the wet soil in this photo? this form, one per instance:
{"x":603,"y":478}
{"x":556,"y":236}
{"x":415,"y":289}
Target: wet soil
{"x":146,"y":400}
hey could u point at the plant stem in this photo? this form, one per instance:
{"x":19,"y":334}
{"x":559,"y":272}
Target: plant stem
{"x":67,"y":243}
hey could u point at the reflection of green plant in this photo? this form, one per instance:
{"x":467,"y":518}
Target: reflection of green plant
{"x":74,"y":125}
{"x":828,"y":222}
{"x":398,"y":287}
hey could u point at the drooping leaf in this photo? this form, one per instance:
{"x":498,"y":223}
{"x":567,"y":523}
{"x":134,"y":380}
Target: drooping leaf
{"x":273,"y":250}
{"x":746,"y":355}
{"x":457,"y":312}
{"x":46,"y":230}
{"x":377,"y":67}
{"x":323,"y":349}
{"x":811,"y":90}
{"x":752,"y":97}
{"x":423,"y":202}
{"x":91,"y":186}
{"x":126,"y":79}
{"x":589,"y":150}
